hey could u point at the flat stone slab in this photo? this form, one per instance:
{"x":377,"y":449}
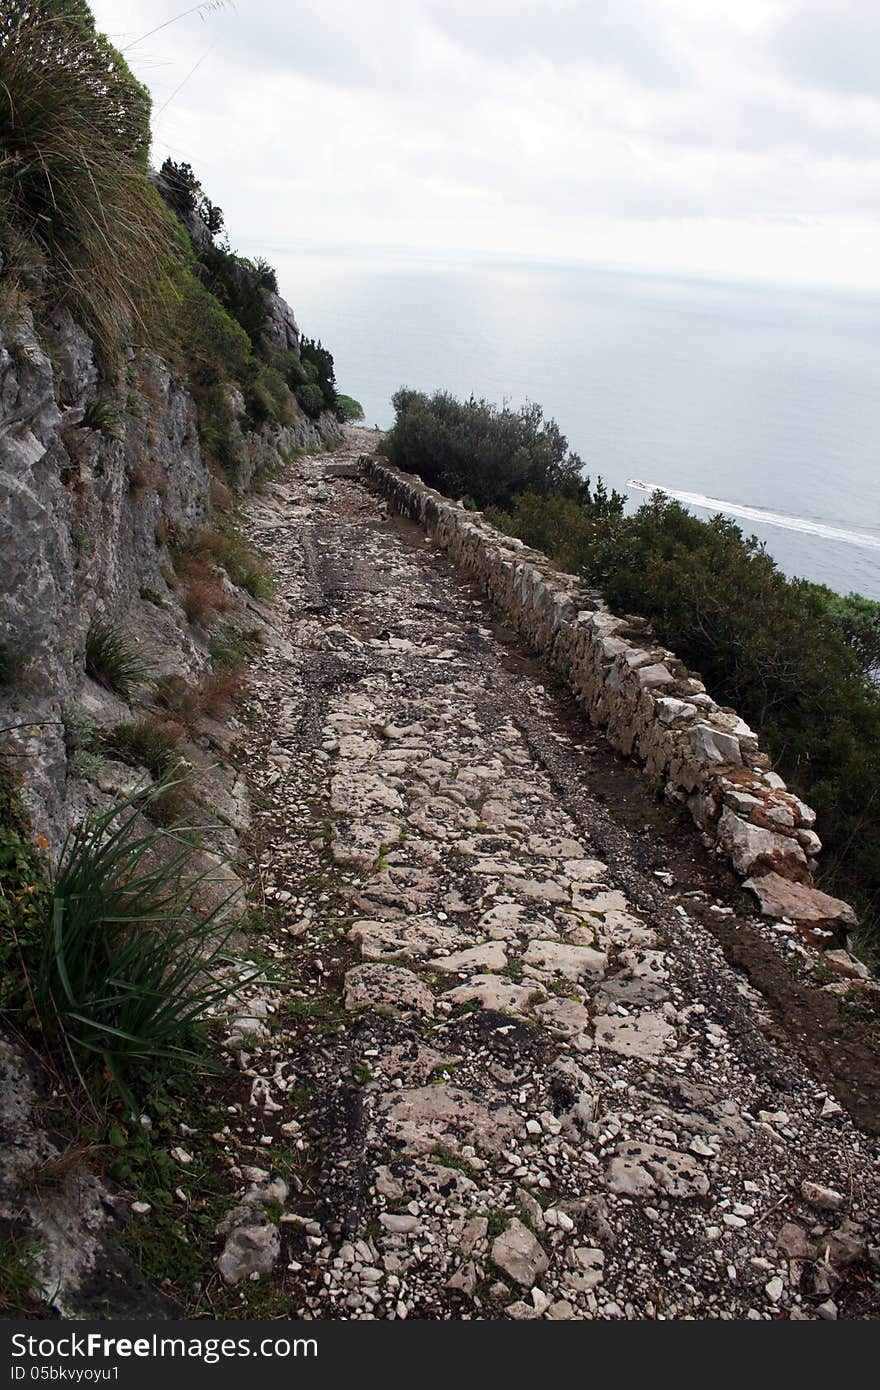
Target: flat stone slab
{"x":491,"y":956}
{"x":641,"y":1170}
{"x":561,"y":958}
{"x":580,"y":871}
{"x":509,"y":920}
{"x":564,"y":1017}
{"x":360,"y":843}
{"x":494,"y":992}
{"x":389,"y":988}
{"x":422,"y":1118}
{"x":644,"y":1035}
{"x":359,"y":793}
{"x":402,"y":936}
{"x":519,"y":1255}
{"x":780,"y":897}
{"x":633,"y":993}
{"x":542,"y":890}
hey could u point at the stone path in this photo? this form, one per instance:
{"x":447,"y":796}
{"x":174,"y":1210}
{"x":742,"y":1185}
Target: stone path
{"x":515,"y":1073}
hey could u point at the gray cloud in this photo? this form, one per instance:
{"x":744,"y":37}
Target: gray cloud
{"x":544,"y":127}
{"x":834,"y":44}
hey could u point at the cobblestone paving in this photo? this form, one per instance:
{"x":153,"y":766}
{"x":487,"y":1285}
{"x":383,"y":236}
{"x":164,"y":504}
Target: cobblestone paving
{"x":518,"y":1077}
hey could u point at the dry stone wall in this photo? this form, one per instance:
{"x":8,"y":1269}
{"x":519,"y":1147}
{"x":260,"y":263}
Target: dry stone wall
{"x":650,"y":706}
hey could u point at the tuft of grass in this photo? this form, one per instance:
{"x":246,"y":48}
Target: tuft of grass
{"x":147,"y":742}
{"x":100,"y":415}
{"x":19,"y":1280}
{"x":204,"y":598}
{"x":114,"y":659}
{"x":231,"y":647}
{"x":212,"y":697}
{"x":222,"y":547}
{"x":129,"y":972}
{"x":23,"y":896}
{"x":74,"y":186}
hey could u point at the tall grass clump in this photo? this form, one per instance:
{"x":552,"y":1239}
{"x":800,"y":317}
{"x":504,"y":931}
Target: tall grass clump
{"x":128,"y":972}
{"x":114,"y":660}
{"x":75,"y":196}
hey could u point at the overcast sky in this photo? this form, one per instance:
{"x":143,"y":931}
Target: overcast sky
{"x":734,"y":138}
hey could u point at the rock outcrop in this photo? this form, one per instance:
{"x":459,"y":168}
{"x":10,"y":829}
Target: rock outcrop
{"x":90,"y":504}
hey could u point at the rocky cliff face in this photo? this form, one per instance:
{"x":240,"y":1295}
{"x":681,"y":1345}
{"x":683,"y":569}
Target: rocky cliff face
{"x":90,"y":498}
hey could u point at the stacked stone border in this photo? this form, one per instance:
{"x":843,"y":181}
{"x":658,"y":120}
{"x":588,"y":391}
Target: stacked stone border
{"x":649,"y":705}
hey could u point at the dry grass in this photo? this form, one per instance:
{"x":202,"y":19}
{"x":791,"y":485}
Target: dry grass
{"x":152,"y":743}
{"x":74,"y":133}
{"x":144,"y":477}
{"x":204,"y":599}
{"x":212,"y":697}
{"x":224,"y":549}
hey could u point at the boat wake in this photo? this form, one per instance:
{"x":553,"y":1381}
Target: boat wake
{"x":763,"y":517}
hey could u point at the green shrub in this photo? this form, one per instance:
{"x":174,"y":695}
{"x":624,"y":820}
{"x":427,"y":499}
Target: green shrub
{"x":222,"y":545}
{"x":772,"y":648}
{"x":348,"y":409}
{"x":214,"y":346}
{"x":82,"y":742}
{"x":858,"y":620}
{"x":311,"y":398}
{"x":74,"y":136}
{"x":291,"y":368}
{"x":114,"y":659}
{"x":316,"y":359}
{"x":128,"y":971}
{"x":476,"y":449}
{"x":239,"y":286}
{"x":562,"y":527}
{"x":268,"y":397}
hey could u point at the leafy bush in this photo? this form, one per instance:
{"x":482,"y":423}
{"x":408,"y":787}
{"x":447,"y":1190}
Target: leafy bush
{"x":74,"y":135}
{"x":348,"y":409}
{"x":231,"y":647}
{"x":771,"y":647}
{"x":179,"y":187}
{"x":266,"y":277}
{"x":291,"y":368}
{"x":268,"y":397}
{"x":562,"y":527}
{"x":183,"y":193}
{"x":476,"y":449}
{"x":316,"y":357}
{"x":238,"y":286}
{"x":128,"y":971}
{"x":858,"y":620}
{"x":114,"y":659}
{"x":311,"y":398}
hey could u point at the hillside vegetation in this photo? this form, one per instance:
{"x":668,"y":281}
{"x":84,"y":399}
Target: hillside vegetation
{"x":795,"y":659}
{"x":138,"y":260}
{"x":105,"y":959}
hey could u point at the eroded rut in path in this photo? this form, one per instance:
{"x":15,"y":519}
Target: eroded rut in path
{"x":512,"y":1068}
